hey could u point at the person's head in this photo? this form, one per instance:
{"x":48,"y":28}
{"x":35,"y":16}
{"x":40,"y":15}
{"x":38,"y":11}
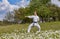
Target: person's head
{"x":35,"y":13}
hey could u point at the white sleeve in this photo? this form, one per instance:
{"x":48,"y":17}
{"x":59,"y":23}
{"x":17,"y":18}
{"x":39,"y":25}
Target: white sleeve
{"x":30,"y":16}
{"x":38,"y":18}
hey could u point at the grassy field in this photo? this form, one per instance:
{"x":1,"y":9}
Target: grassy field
{"x":22,"y":28}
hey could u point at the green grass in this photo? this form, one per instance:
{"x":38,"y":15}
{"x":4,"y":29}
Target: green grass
{"x":24,"y":27}
{"x":50,"y":26}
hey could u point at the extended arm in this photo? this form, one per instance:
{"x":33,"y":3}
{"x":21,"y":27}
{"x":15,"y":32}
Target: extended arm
{"x":29,"y":16}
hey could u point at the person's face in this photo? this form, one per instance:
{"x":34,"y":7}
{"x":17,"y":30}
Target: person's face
{"x":35,"y":13}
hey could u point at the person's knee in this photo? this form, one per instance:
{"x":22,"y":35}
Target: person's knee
{"x":30,"y":27}
{"x":38,"y":26}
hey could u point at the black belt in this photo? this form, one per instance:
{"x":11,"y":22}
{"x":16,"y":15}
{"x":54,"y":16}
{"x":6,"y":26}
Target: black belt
{"x":34,"y":22}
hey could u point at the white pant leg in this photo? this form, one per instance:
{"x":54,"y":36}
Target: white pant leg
{"x":38,"y":26}
{"x":30,"y":26}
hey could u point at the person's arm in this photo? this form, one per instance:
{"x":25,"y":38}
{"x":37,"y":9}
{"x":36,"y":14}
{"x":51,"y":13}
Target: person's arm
{"x":29,"y":16}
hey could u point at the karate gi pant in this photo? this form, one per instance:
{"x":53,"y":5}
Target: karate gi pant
{"x":34,"y":24}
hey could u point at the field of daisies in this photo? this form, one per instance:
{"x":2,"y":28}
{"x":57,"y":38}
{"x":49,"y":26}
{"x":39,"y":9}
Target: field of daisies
{"x":42,"y":35}
{"x":49,"y":30}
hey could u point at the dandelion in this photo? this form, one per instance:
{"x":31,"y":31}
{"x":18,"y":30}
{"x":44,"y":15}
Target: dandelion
{"x":42,"y":35}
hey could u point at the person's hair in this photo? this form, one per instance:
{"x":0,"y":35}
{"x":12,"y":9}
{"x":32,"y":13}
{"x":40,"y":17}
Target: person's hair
{"x":36,"y":12}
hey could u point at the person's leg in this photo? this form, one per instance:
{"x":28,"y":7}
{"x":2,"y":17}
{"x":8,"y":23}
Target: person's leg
{"x":29,"y":28}
{"x":38,"y":26}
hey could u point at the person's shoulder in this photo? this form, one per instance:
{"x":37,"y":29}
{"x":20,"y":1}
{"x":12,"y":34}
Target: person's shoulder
{"x":37,"y":16}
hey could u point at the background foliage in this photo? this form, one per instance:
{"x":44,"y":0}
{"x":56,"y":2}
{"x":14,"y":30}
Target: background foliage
{"x":46,"y":11}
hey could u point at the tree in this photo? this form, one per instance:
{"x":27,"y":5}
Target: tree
{"x":43,"y":8}
{"x":21,"y":13}
{"x":54,"y":11}
{"x":9,"y":17}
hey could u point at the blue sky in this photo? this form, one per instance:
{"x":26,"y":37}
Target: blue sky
{"x":10,"y":5}
{"x":14,"y":1}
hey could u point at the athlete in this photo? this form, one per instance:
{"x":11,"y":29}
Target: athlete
{"x":35,"y":22}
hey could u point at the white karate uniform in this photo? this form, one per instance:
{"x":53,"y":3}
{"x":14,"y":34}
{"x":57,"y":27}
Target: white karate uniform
{"x":34,"y":23}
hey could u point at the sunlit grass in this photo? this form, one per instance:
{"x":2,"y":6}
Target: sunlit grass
{"x":20,"y":27}
{"x":49,"y":30}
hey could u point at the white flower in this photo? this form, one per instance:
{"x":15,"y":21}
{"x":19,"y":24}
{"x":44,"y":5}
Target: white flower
{"x":42,"y":35}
